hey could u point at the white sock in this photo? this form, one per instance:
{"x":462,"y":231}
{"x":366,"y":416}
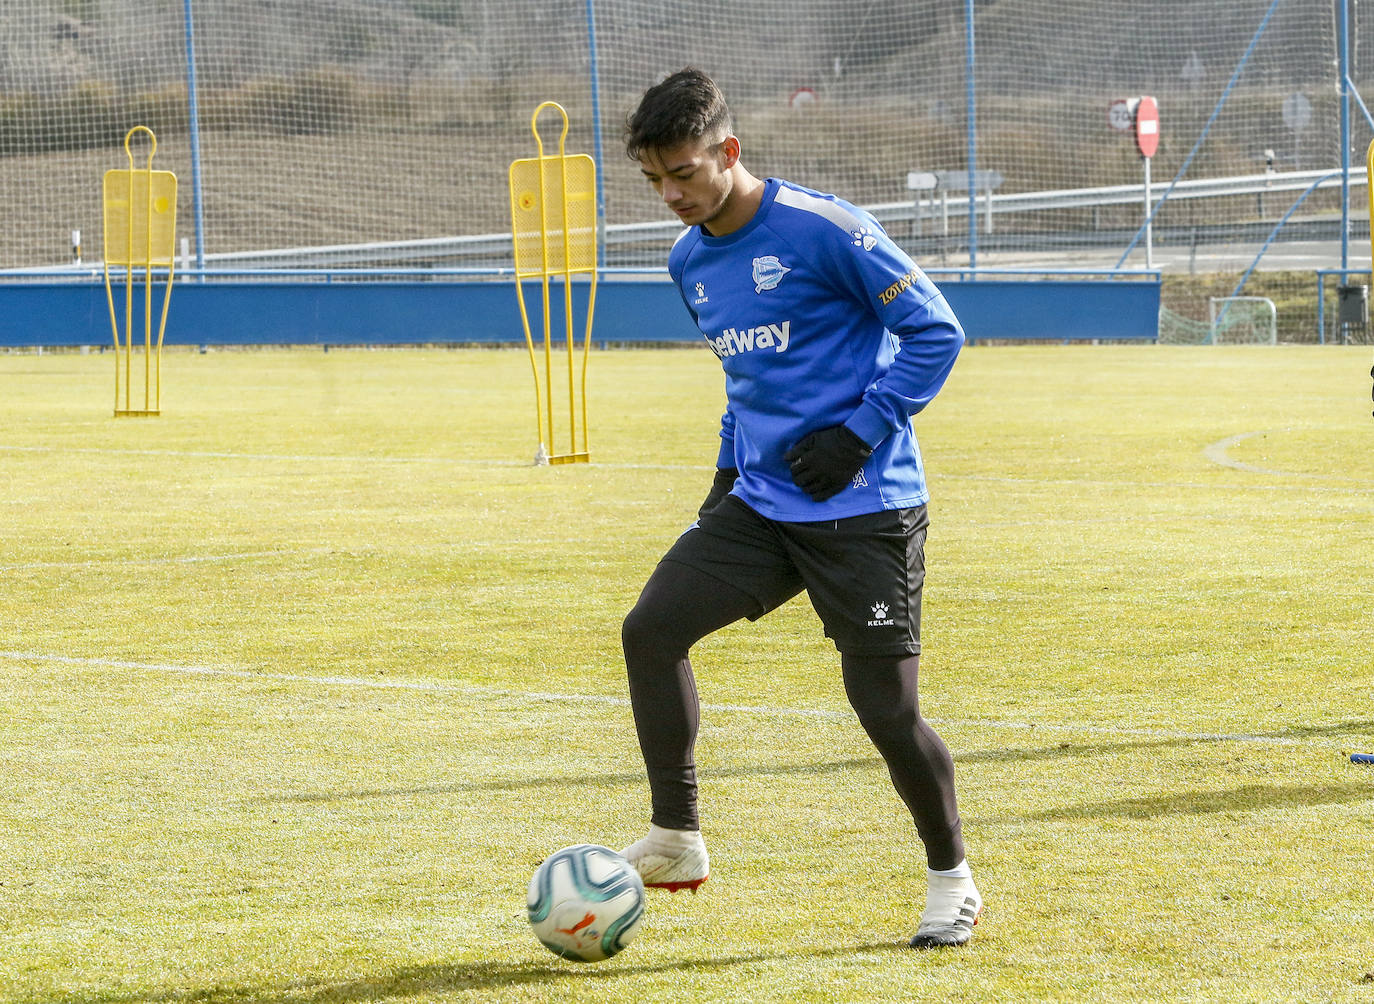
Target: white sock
{"x":959,"y":871}
{"x":677,"y":840}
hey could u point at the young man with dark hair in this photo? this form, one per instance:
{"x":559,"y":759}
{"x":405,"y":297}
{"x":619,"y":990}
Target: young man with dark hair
{"x":831,"y":339}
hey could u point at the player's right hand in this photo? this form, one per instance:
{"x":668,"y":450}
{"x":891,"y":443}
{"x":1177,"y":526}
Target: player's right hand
{"x":825,"y":461}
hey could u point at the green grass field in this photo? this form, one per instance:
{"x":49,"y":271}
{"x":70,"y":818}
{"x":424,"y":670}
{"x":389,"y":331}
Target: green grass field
{"x":302,"y":678}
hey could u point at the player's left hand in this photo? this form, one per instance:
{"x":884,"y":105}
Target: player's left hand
{"x":825,"y":461}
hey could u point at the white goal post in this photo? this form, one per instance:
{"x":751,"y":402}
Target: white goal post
{"x":1242,"y":320}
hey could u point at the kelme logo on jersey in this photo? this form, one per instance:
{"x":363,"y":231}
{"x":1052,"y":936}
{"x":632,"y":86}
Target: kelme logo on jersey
{"x":901,"y":285}
{"x":768,"y":272}
{"x":863,"y":238}
{"x":765,"y":337}
{"x":701,"y":295}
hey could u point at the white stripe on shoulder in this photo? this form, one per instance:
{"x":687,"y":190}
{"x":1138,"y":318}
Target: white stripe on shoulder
{"x":831,"y":211}
{"x":678,"y":239}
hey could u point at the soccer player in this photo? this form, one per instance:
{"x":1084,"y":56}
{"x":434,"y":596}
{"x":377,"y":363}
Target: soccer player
{"x":831,"y":339}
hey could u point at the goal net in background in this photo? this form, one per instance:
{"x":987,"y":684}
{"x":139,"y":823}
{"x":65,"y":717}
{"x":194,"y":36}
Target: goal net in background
{"x":1231,"y":320}
{"x":1242,"y":320}
{"x":345,"y":122}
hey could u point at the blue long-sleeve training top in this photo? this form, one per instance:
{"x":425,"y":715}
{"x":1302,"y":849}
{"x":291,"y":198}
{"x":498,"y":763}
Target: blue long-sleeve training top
{"x":819,"y":319}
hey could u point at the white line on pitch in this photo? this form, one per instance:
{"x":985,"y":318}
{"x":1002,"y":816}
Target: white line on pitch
{"x":193,"y":559}
{"x":472,"y":689}
{"x":934,"y":476}
{"x":325,"y":458}
{"x":280,"y":457}
{"x":1219,"y":453}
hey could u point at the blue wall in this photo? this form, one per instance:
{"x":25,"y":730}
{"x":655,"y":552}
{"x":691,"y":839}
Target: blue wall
{"x":349,"y":313}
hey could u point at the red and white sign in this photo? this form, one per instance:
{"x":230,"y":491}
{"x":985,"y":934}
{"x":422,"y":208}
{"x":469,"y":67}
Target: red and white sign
{"x":1147,"y":126}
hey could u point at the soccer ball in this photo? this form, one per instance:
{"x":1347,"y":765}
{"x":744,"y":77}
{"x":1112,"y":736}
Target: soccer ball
{"x":585,"y":902}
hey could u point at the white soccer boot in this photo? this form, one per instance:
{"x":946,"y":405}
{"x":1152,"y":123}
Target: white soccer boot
{"x":670,"y":859}
{"x":952,"y":908}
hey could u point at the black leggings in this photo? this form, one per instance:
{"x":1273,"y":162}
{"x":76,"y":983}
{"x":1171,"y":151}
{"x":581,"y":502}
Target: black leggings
{"x":678,"y":607}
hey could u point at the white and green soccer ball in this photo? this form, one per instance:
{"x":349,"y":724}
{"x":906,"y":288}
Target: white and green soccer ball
{"x":585,"y":902}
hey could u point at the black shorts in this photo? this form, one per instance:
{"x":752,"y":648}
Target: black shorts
{"x":863,"y":574}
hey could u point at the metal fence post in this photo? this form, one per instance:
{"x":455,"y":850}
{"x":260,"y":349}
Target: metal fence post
{"x":971,"y":90}
{"x":197,"y":192}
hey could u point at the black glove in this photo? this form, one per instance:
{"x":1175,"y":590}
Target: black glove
{"x":825,"y":461}
{"x":720,"y":487}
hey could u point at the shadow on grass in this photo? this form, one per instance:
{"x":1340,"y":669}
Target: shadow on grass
{"x":1365,"y":725}
{"x":1249,"y":798}
{"x":553,"y":980}
{"x":1078,"y":747}
{"x":573,"y":781}
{"x":1063,"y":749}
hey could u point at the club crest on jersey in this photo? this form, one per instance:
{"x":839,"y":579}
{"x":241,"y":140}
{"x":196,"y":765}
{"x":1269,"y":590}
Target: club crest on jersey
{"x":863,"y":238}
{"x":768,"y":272}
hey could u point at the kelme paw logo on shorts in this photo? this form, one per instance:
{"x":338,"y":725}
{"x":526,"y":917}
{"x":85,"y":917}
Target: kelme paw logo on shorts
{"x":880,"y":617}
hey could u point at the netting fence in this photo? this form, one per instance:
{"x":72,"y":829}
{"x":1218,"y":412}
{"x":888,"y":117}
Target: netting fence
{"x":378,"y":132}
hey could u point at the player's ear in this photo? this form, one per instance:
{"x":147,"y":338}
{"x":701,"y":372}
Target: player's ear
{"x":729,"y":149}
